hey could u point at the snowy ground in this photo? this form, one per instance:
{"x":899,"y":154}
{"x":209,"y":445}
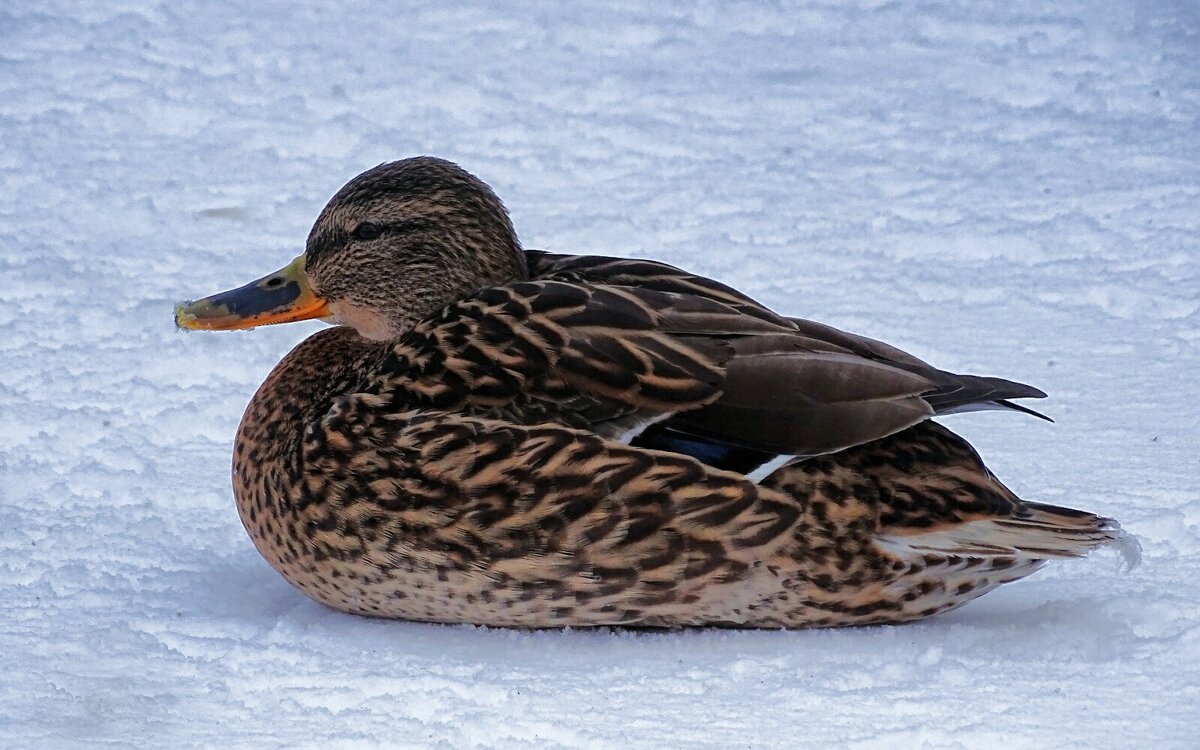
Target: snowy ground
{"x":1012,"y":191}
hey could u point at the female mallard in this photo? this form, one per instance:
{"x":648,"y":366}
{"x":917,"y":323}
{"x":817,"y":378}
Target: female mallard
{"x":509,"y":437}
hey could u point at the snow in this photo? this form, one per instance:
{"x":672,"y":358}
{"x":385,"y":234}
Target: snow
{"x":1007,"y":189}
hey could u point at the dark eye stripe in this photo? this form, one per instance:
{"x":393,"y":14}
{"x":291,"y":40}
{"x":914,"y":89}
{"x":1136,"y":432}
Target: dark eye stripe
{"x":369,"y":230}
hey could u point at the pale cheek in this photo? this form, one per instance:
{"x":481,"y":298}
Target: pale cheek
{"x":370,"y":324}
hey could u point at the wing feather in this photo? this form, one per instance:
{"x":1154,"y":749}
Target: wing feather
{"x":610,"y":344}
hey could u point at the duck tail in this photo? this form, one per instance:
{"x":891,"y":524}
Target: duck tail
{"x":1054,"y":531}
{"x":1035,"y":531}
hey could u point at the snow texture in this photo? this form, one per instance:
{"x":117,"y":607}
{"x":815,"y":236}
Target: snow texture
{"x":1007,"y":189}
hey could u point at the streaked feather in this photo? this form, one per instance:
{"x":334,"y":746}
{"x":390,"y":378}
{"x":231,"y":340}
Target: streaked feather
{"x":603,"y":441}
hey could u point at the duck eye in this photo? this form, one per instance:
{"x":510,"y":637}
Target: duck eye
{"x":366,"y":231}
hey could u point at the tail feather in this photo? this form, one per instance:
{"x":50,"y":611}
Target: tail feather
{"x":1035,"y":531}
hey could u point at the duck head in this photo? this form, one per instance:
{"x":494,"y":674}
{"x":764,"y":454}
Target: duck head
{"x":395,"y":244}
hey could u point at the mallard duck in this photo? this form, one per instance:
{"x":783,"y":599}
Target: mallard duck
{"x":506,"y":437}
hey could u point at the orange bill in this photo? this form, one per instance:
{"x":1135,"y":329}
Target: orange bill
{"x":280,"y":297}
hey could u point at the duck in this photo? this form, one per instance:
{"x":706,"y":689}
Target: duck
{"x":515,"y":438}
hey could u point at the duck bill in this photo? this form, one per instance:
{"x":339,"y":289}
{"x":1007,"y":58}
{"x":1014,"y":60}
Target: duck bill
{"x":280,"y":297}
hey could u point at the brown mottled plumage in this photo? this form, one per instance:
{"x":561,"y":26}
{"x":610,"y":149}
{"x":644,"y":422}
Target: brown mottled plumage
{"x":517,"y":438}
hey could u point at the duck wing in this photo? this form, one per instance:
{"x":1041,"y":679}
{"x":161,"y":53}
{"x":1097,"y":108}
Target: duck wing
{"x":949,"y":392}
{"x":644,"y":274}
{"x":582,"y":355}
{"x":954,"y":392}
{"x":618,"y":360}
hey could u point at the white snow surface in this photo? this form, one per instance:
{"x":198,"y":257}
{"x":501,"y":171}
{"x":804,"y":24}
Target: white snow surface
{"x":1009,"y":189}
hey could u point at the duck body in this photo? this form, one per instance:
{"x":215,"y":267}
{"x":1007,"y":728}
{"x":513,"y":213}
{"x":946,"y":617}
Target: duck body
{"x":585,"y":441}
